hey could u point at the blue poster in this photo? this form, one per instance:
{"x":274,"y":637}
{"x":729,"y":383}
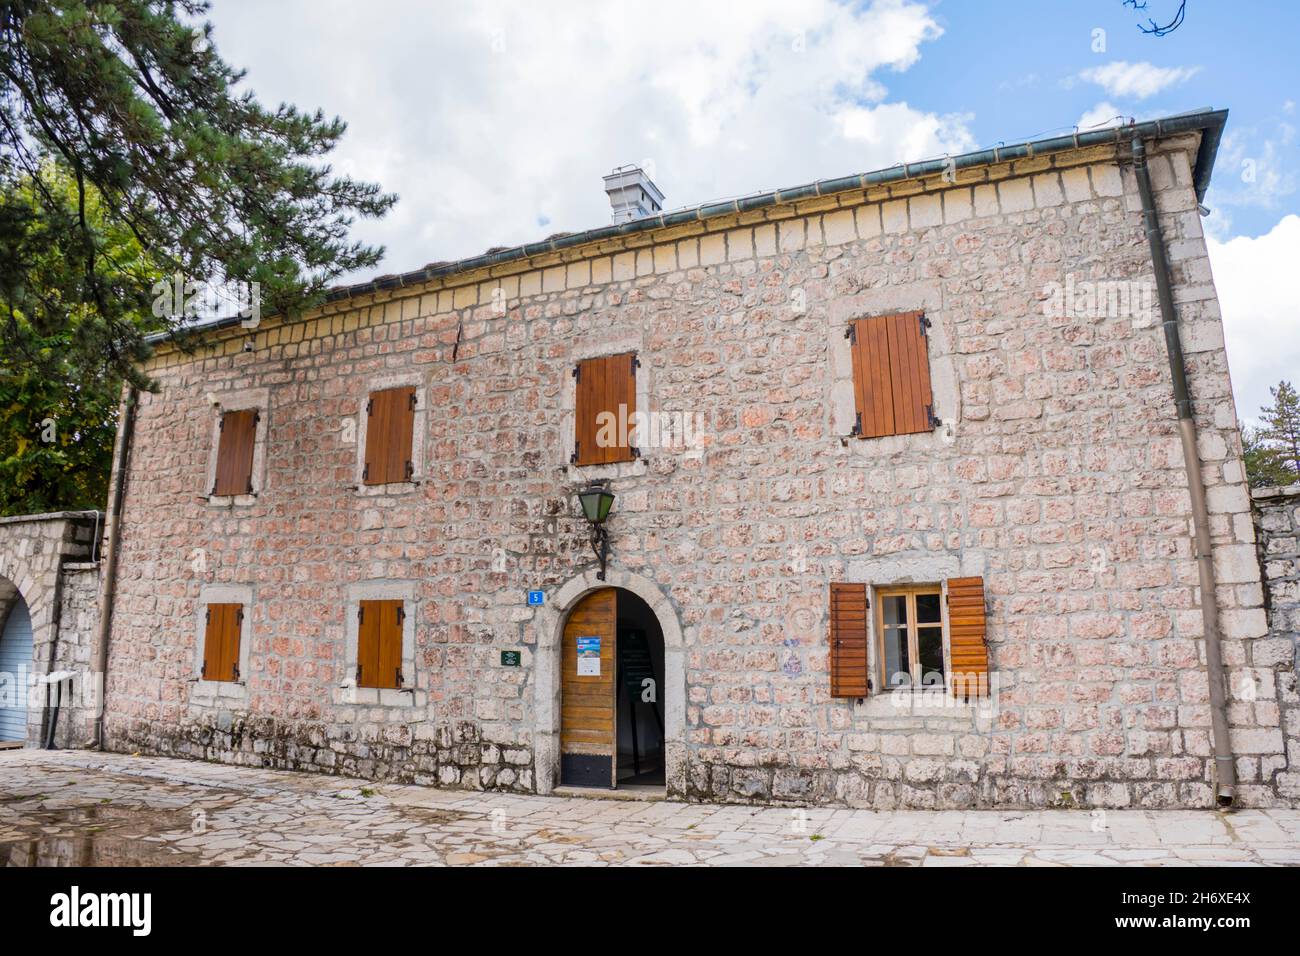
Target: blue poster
{"x":589,"y":657}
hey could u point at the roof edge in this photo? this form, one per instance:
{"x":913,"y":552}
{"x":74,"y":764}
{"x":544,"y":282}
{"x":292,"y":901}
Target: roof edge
{"x":1209,"y":122}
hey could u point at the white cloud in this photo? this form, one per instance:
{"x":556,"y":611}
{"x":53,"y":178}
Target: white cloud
{"x":1101,"y":115}
{"x":495,"y":121}
{"x":1259,"y":293}
{"x":1121,"y":78}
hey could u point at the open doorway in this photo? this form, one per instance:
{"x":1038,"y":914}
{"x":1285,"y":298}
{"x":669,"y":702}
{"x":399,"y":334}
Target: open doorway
{"x":611,"y":708}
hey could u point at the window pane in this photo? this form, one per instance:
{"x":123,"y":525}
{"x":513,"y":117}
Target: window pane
{"x":929,"y":647}
{"x":895,"y":610}
{"x":927,"y":609}
{"x":897,"y":666}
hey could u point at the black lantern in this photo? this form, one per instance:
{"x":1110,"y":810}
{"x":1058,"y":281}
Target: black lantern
{"x":596,"y":500}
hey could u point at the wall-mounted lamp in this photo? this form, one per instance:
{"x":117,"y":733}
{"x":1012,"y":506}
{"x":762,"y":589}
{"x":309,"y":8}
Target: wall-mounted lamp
{"x":596,"y":500}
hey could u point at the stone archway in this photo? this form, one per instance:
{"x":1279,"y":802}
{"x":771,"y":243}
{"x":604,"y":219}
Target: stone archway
{"x":547,"y":670}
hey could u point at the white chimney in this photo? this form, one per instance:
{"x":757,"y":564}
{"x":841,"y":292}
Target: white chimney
{"x":632,"y":194}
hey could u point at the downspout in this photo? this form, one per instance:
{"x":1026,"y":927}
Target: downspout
{"x":1225,"y":769}
{"x":113,"y":527}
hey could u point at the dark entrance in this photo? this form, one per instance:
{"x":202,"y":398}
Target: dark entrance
{"x":612,"y":725}
{"x":640,"y":694}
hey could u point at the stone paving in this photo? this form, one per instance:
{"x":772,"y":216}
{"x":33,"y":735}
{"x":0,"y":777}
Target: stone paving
{"x":85,"y":808}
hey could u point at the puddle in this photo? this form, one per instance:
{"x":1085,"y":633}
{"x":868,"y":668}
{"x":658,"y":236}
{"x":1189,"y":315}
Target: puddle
{"x":97,"y":835}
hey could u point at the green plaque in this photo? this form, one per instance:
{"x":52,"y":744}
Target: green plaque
{"x":510,"y":658}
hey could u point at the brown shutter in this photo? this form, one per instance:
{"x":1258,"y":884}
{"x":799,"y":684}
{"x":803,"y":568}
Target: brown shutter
{"x":967,"y":637}
{"x":891,"y":374}
{"x":379,"y":643}
{"x":390,"y":426}
{"x":849,"y":640}
{"x":603,"y":385}
{"x":221,"y":642}
{"x":235,"y":453}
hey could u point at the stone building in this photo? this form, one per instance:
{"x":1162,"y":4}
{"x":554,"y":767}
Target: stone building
{"x":901,"y":514}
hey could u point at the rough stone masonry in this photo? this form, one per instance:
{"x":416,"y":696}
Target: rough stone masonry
{"x":1055,"y":474}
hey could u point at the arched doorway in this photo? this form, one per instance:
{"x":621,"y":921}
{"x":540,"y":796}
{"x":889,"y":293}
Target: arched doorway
{"x":15,"y":664}
{"x":612,"y":693}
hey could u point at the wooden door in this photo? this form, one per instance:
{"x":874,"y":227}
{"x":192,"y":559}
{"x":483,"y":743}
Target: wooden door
{"x":588,"y":723}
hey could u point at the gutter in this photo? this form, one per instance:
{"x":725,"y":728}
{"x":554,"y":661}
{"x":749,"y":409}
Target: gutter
{"x":1225,"y":768}
{"x":113,"y":525}
{"x":1209,"y":122}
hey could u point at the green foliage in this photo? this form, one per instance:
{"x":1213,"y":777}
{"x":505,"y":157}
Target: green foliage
{"x":1272,"y":452}
{"x":59,"y":381}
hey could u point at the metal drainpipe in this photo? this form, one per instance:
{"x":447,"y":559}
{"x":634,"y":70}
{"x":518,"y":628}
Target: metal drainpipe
{"x":1225,"y":768}
{"x":121,"y":453}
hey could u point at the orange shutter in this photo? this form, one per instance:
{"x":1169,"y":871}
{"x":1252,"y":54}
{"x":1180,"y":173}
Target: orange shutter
{"x":849,"y":640}
{"x":605,"y":385}
{"x":379,"y":643}
{"x":235,"y":453}
{"x":967,"y":637}
{"x":390,"y":425}
{"x":891,"y":374}
{"x":221,"y":642}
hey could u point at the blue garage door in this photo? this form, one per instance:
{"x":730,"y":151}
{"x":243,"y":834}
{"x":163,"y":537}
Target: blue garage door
{"x":15,"y":663}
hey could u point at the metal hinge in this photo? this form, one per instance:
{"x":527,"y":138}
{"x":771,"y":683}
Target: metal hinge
{"x":239,"y":616}
{"x":234,"y":670}
{"x":636,"y":364}
{"x":370,"y":406}
{"x":933,"y":419}
{"x":400,"y":679}
{"x":250,"y":485}
{"x":573,"y":459}
{"x":361,"y":615}
{"x":413,"y":400}
{"x":401,"y":614}
{"x":925,"y":323}
{"x":365,"y":472}
{"x":358,"y":675}
{"x":203,"y":671}
{"x":577,"y":373}
{"x":257,"y":417}
{"x":221,"y":424}
{"x":857,"y":425}
{"x":851,"y":333}
{"x":410,"y":471}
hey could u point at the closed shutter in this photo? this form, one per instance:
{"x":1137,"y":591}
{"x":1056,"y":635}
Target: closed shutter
{"x":221,"y":642}
{"x":967,"y":637}
{"x":379,"y":643}
{"x":849,"y":640}
{"x":235,"y":453}
{"x":390,"y":429}
{"x":891,"y":374}
{"x":605,"y":387}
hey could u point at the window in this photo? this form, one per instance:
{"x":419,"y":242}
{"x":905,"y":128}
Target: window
{"x":909,"y":622}
{"x":926,"y":635}
{"x":390,"y":426}
{"x":891,"y":375}
{"x":221,"y":642}
{"x":234,"y":471}
{"x":379,"y":643}
{"x":605,"y":410}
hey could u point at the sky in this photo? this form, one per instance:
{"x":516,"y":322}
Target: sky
{"x":494,"y":121}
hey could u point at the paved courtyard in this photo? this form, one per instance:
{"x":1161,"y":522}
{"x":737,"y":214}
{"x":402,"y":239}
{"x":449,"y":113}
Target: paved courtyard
{"x":83,"y":808}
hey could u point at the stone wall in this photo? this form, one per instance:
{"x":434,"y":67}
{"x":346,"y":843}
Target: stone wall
{"x":1278,"y":511}
{"x":38,"y":564}
{"x":1056,"y":475}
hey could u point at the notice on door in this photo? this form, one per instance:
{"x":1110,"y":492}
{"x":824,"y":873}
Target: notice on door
{"x":589,"y":657}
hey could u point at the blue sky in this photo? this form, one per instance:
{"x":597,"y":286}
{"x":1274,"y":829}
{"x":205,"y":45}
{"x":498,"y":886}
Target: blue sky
{"x":494,"y":120}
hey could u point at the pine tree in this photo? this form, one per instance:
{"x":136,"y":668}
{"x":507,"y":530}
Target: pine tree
{"x":1264,"y":463}
{"x":131,"y":98}
{"x":1281,"y":428}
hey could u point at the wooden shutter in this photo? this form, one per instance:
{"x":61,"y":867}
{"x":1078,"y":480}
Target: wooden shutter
{"x":379,"y":643}
{"x":221,"y":642}
{"x":891,"y":374}
{"x":967,"y":637}
{"x":604,"y":384}
{"x":390,"y":427}
{"x":235,"y":453}
{"x":849,"y":640}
